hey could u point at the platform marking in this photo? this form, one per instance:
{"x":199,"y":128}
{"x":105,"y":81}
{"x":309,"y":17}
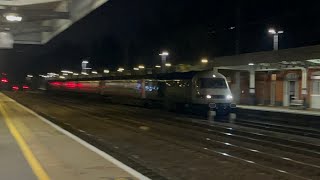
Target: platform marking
{"x":26,"y":151}
{"x":106,"y":156}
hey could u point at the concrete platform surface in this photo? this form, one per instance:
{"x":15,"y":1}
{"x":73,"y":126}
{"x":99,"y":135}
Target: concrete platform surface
{"x":33,"y":148}
{"x":311,"y":112}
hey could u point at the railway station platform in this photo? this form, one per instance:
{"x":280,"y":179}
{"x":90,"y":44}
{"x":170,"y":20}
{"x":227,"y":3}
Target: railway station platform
{"x":311,"y":112}
{"x":281,"y":115}
{"x":32,"y":147}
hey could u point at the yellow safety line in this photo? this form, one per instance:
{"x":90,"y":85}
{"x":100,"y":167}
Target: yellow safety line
{"x":33,"y":162}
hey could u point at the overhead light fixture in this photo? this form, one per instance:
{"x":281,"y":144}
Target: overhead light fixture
{"x":164,"y":53}
{"x":316,"y":61}
{"x":65,"y":71}
{"x":272,"y":31}
{"x":251,"y":64}
{"x":13,"y":17}
{"x":120,"y":69}
{"x":204,"y":61}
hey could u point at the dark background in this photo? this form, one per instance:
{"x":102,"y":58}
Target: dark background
{"x":129,"y":32}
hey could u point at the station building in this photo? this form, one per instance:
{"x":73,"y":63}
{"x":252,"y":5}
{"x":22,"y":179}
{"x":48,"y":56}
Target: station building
{"x":276,"y":78}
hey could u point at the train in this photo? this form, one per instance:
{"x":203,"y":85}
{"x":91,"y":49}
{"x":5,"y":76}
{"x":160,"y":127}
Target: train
{"x":207,"y":90}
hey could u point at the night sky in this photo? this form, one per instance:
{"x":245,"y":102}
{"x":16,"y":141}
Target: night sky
{"x":130,"y":32}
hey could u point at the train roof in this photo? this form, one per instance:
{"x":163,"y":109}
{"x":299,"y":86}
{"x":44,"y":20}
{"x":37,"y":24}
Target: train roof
{"x":164,"y":76}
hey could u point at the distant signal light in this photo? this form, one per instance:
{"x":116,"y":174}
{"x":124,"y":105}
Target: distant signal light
{"x":25,"y":87}
{"x":15,"y":88}
{"x":4,"y":80}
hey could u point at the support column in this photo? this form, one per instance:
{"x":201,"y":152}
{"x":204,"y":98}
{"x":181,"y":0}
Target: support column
{"x":236,"y":89}
{"x":275,"y":42}
{"x":304,"y":87}
{"x":252,"y":88}
{"x":163,"y":63}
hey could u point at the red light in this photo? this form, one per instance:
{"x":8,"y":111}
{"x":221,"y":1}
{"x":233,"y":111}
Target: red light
{"x":56,"y":83}
{"x":15,"y":88}
{"x":4,"y":80}
{"x":25,"y":87}
{"x":71,"y":85}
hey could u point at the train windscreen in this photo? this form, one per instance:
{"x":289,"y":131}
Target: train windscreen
{"x":218,"y":83}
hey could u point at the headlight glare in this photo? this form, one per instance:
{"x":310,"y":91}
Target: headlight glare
{"x":229,"y":97}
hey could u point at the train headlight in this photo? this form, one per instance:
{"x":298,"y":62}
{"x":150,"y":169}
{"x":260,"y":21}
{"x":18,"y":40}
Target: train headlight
{"x":208,"y":96}
{"x":229,"y":97}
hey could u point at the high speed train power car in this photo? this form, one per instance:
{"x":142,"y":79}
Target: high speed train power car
{"x":205,"y":89}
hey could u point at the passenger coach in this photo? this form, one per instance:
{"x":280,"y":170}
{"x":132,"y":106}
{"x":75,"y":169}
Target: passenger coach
{"x":205,"y":89}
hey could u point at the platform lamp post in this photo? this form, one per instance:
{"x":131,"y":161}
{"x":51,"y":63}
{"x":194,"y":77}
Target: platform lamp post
{"x":164,"y":56}
{"x":275,"y":34}
{"x":84,"y":66}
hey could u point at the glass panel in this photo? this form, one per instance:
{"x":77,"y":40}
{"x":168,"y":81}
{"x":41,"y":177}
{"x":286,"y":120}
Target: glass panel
{"x":212,"y":83}
{"x":316,"y":88}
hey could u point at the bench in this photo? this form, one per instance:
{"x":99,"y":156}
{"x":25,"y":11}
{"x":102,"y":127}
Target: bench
{"x":297,"y":104}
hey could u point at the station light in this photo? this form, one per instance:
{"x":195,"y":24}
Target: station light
{"x":106,"y":71}
{"x":85,"y":62}
{"x":65,"y":71}
{"x":120,"y":69}
{"x":84,"y":73}
{"x":204,"y":61}
{"x":168,"y":65}
{"x":208,"y":96}
{"x":251,"y":64}
{"x":272,"y":31}
{"x":52,"y":74}
{"x":13,"y":18}
{"x":141,"y":66}
{"x":75,"y":74}
{"x":157,"y":66}
{"x":62,"y":77}
{"x":29,"y":76}
{"x":94,"y":72}
{"x":44,"y":76}
{"x":164,"y":53}
{"x":65,"y":74}
{"x":136,"y":69}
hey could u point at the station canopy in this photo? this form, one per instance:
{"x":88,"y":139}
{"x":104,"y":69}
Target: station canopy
{"x":38,"y":21}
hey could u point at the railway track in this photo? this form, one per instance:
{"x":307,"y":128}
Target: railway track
{"x":308,"y":132}
{"x":202,"y":137}
{"x":254,"y":157}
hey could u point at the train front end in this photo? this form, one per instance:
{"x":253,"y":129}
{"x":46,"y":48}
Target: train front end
{"x":212,"y":90}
